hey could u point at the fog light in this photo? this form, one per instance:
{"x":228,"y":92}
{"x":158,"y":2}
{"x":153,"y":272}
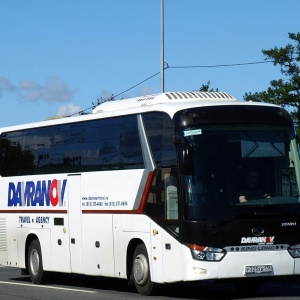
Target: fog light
{"x":200,"y":271}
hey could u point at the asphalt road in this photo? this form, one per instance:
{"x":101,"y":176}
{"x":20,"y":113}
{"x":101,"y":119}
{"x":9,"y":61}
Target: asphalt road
{"x":13,"y":286}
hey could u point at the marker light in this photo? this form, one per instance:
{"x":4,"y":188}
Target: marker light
{"x":294,"y":251}
{"x":206,"y":253}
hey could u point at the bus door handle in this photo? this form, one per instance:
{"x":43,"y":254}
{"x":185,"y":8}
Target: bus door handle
{"x":73,"y":241}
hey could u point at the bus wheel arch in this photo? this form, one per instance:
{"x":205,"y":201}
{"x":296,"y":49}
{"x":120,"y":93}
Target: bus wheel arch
{"x":129,"y":258}
{"x":34,"y":260}
{"x":139,"y":268}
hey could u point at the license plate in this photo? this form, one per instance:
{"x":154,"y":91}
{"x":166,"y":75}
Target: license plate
{"x":258,"y":269}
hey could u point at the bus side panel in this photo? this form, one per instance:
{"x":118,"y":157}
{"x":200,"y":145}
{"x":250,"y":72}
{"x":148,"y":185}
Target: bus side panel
{"x":22,"y":235}
{"x":166,"y":255}
{"x":75,"y":223}
{"x":129,"y":228}
{"x":12,"y":241}
{"x":3,"y":257}
{"x":110,"y":190}
{"x":60,"y":244}
{"x":19,"y":220}
{"x":97,"y":238}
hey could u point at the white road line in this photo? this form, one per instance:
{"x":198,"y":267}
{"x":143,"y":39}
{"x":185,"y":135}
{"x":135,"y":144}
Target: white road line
{"x":48,"y":287}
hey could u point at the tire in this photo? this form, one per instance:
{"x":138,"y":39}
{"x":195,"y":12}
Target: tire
{"x":141,"y":271}
{"x":35,"y":263}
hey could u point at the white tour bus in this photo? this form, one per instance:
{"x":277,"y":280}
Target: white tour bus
{"x":153,"y":189}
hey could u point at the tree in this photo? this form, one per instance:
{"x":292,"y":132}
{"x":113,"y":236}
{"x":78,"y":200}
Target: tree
{"x":94,"y":105}
{"x":284,"y":92}
{"x":206,"y":88}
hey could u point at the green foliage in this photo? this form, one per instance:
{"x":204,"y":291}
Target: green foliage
{"x":286,"y":91}
{"x":94,"y":105}
{"x":206,"y":88}
{"x":102,"y":100}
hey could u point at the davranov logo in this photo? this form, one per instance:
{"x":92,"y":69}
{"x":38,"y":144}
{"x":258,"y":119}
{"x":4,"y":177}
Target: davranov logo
{"x":258,"y":238}
{"x":39,"y":193}
{"x":257,"y":231}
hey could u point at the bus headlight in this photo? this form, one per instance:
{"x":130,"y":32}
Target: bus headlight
{"x":206,"y":253}
{"x":294,"y":251}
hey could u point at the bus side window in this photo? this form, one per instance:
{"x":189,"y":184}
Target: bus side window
{"x":171,"y":195}
{"x":160,"y":133}
{"x":162,"y":202}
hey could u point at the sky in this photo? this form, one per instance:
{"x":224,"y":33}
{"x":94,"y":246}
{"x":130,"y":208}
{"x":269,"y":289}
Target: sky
{"x":57,"y":57}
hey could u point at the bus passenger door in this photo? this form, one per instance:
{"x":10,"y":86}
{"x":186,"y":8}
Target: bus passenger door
{"x":74,"y":211}
{"x":162,"y":205}
{"x":60,"y":249}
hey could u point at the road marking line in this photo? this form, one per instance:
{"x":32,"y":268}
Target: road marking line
{"x":48,"y":287}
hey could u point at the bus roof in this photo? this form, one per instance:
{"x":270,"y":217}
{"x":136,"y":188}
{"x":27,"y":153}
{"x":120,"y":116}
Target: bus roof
{"x":163,"y":98}
{"x":169,"y":102}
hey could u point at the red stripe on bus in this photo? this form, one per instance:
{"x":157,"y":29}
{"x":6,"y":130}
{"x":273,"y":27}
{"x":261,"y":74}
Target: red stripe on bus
{"x":23,"y":211}
{"x":141,"y":207}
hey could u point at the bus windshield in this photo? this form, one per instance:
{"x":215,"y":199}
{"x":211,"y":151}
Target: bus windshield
{"x":239,"y":166}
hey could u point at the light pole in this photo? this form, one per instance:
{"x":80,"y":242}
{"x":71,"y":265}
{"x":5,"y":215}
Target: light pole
{"x":162,"y":80}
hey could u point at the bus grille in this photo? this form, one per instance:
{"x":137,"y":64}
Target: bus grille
{"x":3,"y":235}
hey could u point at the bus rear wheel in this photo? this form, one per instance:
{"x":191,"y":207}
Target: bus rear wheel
{"x":35,"y":263}
{"x":141,"y":271}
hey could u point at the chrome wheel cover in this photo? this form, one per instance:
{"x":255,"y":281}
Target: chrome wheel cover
{"x":140,"y":269}
{"x":34,"y":262}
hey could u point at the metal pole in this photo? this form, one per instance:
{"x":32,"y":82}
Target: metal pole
{"x":162,"y":82}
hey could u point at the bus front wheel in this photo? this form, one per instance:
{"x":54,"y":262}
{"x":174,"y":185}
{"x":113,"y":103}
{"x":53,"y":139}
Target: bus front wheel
{"x":141,"y":271}
{"x":35,"y":263}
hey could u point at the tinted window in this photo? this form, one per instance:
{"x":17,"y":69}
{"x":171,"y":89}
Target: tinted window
{"x":160,"y":132}
{"x":108,"y":144}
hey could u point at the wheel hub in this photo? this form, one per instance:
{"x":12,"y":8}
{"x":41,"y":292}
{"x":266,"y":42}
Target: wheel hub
{"x":34,"y":262}
{"x":140,"y":269}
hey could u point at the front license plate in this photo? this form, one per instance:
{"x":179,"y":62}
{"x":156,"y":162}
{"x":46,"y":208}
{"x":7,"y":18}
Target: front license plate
{"x":258,"y":269}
